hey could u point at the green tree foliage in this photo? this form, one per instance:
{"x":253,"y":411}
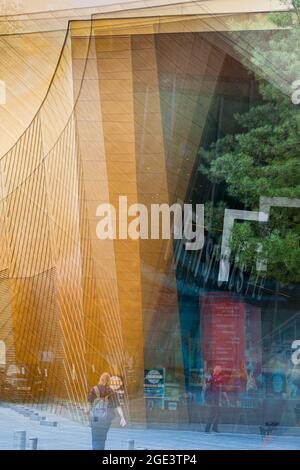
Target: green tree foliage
{"x":263,"y":159}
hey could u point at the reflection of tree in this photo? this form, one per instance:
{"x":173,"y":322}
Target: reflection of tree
{"x":263,"y":159}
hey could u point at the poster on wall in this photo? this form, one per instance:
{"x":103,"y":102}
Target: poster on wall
{"x":232,"y":339}
{"x":224,"y":339}
{"x":154,"y":383}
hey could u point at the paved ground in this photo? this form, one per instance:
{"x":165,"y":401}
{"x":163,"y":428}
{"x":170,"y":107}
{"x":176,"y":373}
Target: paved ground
{"x":70,"y":435}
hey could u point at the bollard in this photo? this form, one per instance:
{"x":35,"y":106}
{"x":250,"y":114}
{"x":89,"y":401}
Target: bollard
{"x":19,"y":440}
{"x":32,"y":443}
{"x":130,"y":445}
{"x":35,"y":417}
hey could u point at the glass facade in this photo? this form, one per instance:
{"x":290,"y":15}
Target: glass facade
{"x":247,"y":323}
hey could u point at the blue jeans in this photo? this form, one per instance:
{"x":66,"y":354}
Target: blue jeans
{"x":99,"y":433}
{"x":213,"y":398}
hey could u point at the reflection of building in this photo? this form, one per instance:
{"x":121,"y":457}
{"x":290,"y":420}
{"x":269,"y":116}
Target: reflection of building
{"x":132,"y":97}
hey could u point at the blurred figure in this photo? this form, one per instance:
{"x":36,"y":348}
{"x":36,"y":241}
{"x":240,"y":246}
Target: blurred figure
{"x":213,"y":398}
{"x":293,"y":382}
{"x":251,"y":385}
{"x":291,"y":387}
{"x":297,"y":413}
{"x":206,"y":381}
{"x":103,"y":402}
{"x":272,"y":412}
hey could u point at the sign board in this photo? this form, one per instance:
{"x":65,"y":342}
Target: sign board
{"x":154,"y":383}
{"x":116,"y":383}
{"x":224,"y":341}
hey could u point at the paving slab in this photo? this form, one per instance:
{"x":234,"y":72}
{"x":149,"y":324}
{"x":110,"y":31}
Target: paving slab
{"x":68,"y":435}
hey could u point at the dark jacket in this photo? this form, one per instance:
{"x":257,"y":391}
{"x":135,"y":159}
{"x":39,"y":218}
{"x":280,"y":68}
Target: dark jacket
{"x":113,"y":399}
{"x":214,"y":389}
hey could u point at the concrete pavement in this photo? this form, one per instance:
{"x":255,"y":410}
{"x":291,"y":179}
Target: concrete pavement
{"x":74,"y":436}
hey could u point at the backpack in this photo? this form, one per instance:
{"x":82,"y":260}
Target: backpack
{"x":100,"y":407}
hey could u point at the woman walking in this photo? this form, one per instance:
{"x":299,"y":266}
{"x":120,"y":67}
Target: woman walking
{"x":103,"y":402}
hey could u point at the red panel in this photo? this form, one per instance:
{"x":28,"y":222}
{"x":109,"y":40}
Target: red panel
{"x":223,"y":333}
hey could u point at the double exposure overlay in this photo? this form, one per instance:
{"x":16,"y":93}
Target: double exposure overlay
{"x":113,"y":114}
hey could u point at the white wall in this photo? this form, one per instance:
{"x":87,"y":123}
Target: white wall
{"x":212,"y":6}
